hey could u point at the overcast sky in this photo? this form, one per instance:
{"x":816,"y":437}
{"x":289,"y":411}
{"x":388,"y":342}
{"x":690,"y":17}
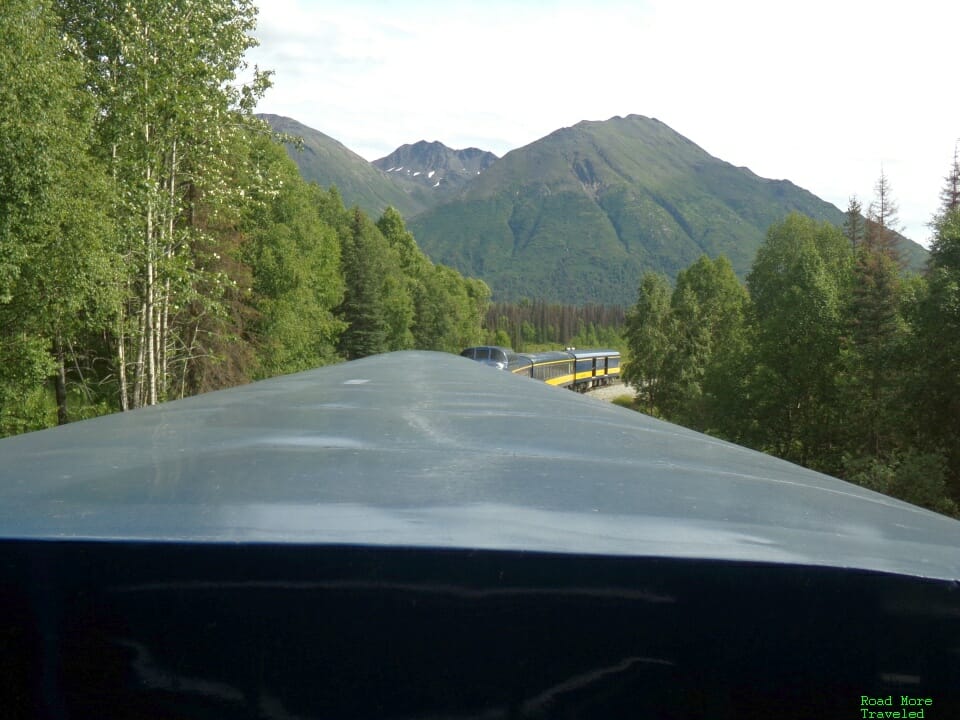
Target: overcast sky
{"x":823,"y":93}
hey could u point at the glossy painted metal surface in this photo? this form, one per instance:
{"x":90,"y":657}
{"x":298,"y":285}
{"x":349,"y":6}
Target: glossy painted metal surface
{"x":415,"y":535}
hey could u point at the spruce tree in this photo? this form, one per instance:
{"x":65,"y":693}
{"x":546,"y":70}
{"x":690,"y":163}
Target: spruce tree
{"x":950,"y":194}
{"x":883,"y":221}
{"x":363,"y":308}
{"x":854,"y":224}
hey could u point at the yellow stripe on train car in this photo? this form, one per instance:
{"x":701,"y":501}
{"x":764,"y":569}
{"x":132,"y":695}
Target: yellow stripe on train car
{"x":599,"y":373}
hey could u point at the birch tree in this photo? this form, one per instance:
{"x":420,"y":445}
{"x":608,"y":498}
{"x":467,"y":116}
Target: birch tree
{"x":54,"y":234}
{"x":170,"y":118}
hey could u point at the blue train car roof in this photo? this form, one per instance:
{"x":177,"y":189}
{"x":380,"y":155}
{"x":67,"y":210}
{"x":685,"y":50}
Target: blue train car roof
{"x":547,"y":356}
{"x":420,"y":449}
{"x":501,"y":348}
{"x":579,"y":354}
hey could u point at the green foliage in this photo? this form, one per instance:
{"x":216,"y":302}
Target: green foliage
{"x":437,"y":307}
{"x":295,"y":259}
{"x":796,"y":287}
{"x":871,"y":350}
{"x":324,"y":161}
{"x":854,"y":227}
{"x":648,"y":335}
{"x":172,"y":125}
{"x":945,"y":250}
{"x":915,"y":477}
{"x":26,"y":364}
{"x":526,"y":323}
{"x":707,"y":315}
{"x":625,"y":401}
{"x":679,"y":339}
{"x":920,"y":478}
{"x":56,"y":257}
{"x":835,"y":359}
{"x":883,"y":224}
{"x":935,"y":350}
{"x":397,"y":299}
{"x":363,"y":258}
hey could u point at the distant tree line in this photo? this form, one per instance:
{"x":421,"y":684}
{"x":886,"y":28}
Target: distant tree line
{"x":534,"y":323}
{"x":155,"y":239}
{"x":830,"y":356}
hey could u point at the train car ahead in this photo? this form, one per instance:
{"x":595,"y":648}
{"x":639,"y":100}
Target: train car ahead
{"x":595,"y":368}
{"x":493,"y":355}
{"x":553,"y":368}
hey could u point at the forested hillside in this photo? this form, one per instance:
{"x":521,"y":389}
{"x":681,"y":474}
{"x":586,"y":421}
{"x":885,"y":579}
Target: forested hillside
{"x":327,"y":162}
{"x":829,"y":356}
{"x":155,"y":239}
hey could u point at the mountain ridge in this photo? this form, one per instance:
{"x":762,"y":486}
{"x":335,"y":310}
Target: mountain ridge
{"x":326,"y":161}
{"x":441,"y":170}
{"x":581,"y":213}
{"x":578,"y":215}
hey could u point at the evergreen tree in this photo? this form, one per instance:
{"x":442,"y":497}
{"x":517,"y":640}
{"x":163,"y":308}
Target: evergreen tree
{"x":854,"y":225}
{"x":950,"y":194}
{"x":936,"y":326}
{"x":883,"y":221}
{"x":873,"y":329}
{"x":942,"y":247}
{"x":364,"y":307}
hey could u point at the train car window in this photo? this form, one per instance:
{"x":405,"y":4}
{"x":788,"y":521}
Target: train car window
{"x":613,"y":363}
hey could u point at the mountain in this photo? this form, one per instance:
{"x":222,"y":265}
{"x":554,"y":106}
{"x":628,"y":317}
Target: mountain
{"x":580,"y":214}
{"x":576,"y":216}
{"x":326,"y":162}
{"x":434,"y":169}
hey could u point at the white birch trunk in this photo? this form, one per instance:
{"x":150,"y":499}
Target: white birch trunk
{"x":138,"y":373}
{"x":122,"y":361}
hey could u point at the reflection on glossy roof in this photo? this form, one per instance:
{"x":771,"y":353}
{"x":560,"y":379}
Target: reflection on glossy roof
{"x":433,"y":450}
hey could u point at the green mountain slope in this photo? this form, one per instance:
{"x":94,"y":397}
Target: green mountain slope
{"x":327,"y":162}
{"x":579,"y":215}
